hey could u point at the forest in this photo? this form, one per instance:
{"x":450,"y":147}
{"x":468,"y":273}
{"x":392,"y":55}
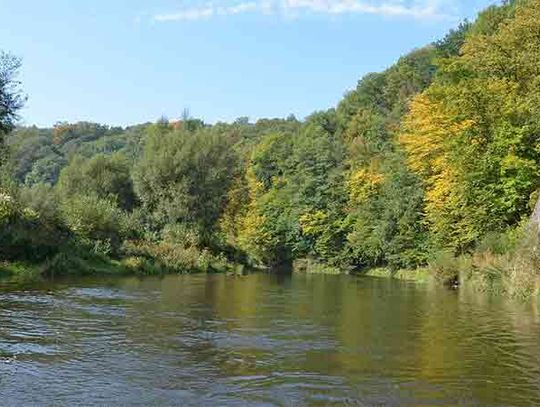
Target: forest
{"x":432,"y":164}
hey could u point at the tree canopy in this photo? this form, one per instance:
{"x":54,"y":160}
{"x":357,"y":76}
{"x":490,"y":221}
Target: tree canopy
{"x":435,"y":153}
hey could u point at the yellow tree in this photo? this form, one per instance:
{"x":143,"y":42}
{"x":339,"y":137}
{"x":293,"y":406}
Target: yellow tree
{"x":428,"y":134}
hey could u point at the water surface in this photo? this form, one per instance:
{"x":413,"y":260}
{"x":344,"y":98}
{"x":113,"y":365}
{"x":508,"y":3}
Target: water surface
{"x":262,"y":340}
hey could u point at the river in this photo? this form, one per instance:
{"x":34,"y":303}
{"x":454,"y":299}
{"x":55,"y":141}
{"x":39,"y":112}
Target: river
{"x":264,"y":340}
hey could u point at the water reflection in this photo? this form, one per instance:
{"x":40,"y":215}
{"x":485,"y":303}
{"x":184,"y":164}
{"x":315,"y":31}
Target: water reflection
{"x":264,"y":340}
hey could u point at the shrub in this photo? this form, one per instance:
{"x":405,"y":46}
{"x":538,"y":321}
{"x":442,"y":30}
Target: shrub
{"x":499,"y":243}
{"x":445,"y":267}
{"x":21,"y":273}
{"x":487,"y":270}
{"x":523,"y":273}
{"x":73,"y":259}
{"x":512,"y":269}
{"x":176,"y":258}
{"x":141,"y":266}
{"x":107,"y":177}
{"x":181,"y":234}
{"x":26,"y":234}
{"x":94,"y":220}
{"x":42,"y":199}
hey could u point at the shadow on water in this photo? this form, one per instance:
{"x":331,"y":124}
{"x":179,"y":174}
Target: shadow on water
{"x":284,"y":267}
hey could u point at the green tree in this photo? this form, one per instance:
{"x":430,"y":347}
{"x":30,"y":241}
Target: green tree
{"x":96,"y":222}
{"x":183,"y":177}
{"x":294,"y":185}
{"x":473,"y":135}
{"x":107,"y":177}
{"x":11,"y":100}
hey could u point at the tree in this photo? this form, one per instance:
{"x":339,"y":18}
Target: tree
{"x":183,"y":177}
{"x":294,"y":182}
{"x":107,"y":177}
{"x":473,"y":135}
{"x":11,"y":99}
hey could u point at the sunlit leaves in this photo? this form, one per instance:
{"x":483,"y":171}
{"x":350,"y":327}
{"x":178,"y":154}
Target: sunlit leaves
{"x":472,"y":136}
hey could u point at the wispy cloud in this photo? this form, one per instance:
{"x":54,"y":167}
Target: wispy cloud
{"x":209,"y":10}
{"x":417,"y":9}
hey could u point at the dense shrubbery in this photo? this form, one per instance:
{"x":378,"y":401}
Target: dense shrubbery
{"x":433,"y":162}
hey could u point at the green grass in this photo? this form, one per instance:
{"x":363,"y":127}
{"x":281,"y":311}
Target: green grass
{"x":81,"y":263}
{"x":310,"y":266}
{"x":75,"y":261}
{"x":21,"y":272}
{"x":420,"y":275}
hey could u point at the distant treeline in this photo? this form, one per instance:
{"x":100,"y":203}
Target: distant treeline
{"x":435,"y":158}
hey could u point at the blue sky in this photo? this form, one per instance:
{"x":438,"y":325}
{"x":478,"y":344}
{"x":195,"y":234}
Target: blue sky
{"x":129,"y":61}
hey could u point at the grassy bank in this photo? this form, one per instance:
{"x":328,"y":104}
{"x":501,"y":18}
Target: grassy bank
{"x":420,"y":275}
{"x":25,"y":272}
{"x":142,"y":261}
{"x":311,"y":266}
{"x":499,"y":266}
{"x":20,"y":272}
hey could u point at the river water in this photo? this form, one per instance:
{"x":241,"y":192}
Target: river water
{"x":263,"y":340}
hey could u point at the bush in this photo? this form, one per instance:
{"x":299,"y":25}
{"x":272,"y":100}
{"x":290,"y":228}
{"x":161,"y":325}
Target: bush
{"x":78,"y":260}
{"x":141,"y":266}
{"x":21,"y":273}
{"x":107,"y":177}
{"x":26,"y":234}
{"x":445,"y":267}
{"x":499,"y":243}
{"x":508,"y":268}
{"x":487,"y":271}
{"x":42,"y":199}
{"x":96,"y":222}
{"x":176,"y":258}
{"x":64,"y":263}
{"x":523,"y":273}
{"x":181,"y":235}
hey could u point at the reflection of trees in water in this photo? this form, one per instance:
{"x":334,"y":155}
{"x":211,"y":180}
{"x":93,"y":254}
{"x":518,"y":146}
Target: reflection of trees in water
{"x":382,"y":337}
{"x":470,"y":347}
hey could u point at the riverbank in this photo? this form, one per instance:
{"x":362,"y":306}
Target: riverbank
{"x":88,"y":264}
{"x":24,"y":272}
{"x":420,"y":275}
{"x":494,"y":283}
{"x":493,"y":275}
{"x":486,"y":280}
{"x":310,"y":266}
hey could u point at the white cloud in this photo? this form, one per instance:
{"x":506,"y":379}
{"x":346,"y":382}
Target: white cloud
{"x":187,"y":14}
{"x":417,"y":9}
{"x":208,"y":11}
{"x":241,"y":8}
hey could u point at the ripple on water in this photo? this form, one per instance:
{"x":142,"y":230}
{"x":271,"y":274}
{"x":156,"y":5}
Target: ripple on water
{"x":262,"y":341}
